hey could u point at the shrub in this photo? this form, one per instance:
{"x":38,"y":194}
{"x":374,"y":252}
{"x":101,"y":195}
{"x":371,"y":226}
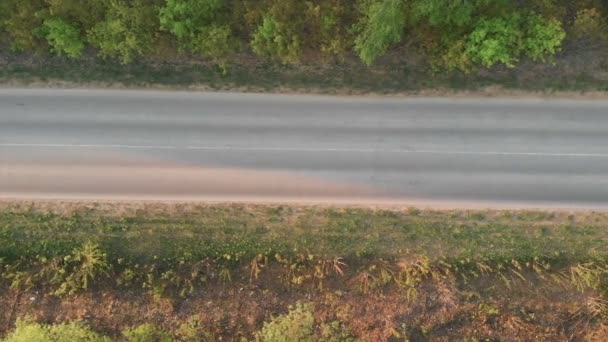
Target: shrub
{"x":543,"y":37}
{"x":214,"y":41}
{"x":299,"y":325}
{"x":496,"y":40}
{"x":194,"y":330}
{"x":335,"y":331}
{"x":85,"y":264}
{"x":274,"y":39}
{"x":147,"y":333}
{"x":590,"y":25}
{"x":296,"y":325}
{"x":333,"y":28}
{"x":27,"y":331}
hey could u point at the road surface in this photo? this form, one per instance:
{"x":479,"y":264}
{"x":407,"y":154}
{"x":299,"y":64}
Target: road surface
{"x":116,"y":144}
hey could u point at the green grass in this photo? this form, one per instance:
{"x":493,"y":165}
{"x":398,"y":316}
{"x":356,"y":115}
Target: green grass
{"x":172,"y":251}
{"x":211,"y":232}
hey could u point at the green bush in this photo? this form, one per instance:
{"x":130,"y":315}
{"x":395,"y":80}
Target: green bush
{"x":147,"y":333}
{"x":63,"y":38}
{"x":214,"y":41}
{"x":296,"y":325}
{"x":194,"y":330}
{"x":496,"y":40}
{"x":543,"y":37}
{"x":299,"y":325}
{"x":27,"y":331}
{"x":274,"y":39}
{"x":503,"y":40}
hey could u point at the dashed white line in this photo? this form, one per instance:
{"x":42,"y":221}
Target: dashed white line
{"x":304,"y":149}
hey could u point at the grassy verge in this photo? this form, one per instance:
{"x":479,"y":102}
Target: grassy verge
{"x":391,"y":76}
{"x":370,"y":274}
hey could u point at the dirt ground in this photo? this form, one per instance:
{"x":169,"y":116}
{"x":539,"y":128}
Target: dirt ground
{"x":440,"y":311}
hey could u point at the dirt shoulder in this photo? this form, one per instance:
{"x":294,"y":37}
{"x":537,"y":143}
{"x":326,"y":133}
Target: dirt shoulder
{"x":491,"y":91}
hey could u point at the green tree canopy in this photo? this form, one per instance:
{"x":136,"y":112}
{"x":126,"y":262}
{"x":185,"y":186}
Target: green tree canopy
{"x":127,"y":31}
{"x":199,"y":26}
{"x":449,"y":34}
{"x":23,"y":23}
{"x":496,"y":40}
{"x":381,"y":26}
{"x":63,"y":38}
{"x":81,"y":14}
{"x":542,"y":37}
{"x":446,"y":12}
{"x":505,"y":39}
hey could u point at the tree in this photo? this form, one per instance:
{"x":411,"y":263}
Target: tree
{"x":381,"y":26}
{"x":5,"y":14}
{"x":128,"y":30}
{"x":450,"y":34}
{"x":198,"y":26}
{"x":63,"y":38}
{"x":82,"y":14}
{"x":23,"y":24}
{"x":441,"y":27}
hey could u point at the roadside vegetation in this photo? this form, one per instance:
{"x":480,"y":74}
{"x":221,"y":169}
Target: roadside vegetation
{"x":160,"y":272}
{"x":401,"y":45}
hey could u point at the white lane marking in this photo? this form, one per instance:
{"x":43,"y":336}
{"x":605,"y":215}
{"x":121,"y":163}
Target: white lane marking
{"x":303,"y":149}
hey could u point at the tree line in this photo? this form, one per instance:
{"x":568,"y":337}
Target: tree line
{"x":451,"y":34}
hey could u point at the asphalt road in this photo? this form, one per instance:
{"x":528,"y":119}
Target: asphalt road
{"x":94,"y":144}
